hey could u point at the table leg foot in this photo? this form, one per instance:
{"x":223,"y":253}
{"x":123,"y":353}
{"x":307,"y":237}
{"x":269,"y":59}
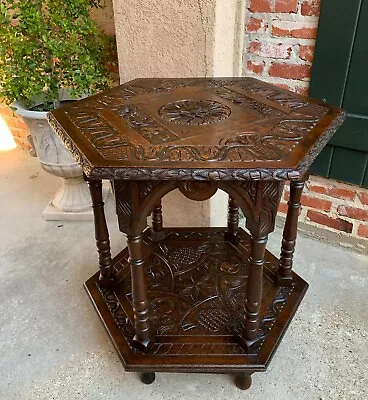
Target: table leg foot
{"x":106,"y":283}
{"x":284,"y":281}
{"x":148,"y":377}
{"x":250,"y":345}
{"x":243,"y":381}
{"x":143,"y":345}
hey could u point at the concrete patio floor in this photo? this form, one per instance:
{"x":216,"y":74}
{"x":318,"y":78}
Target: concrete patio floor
{"x":53,"y":345}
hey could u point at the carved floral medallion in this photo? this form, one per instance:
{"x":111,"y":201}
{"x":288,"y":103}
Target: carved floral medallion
{"x":192,"y":112}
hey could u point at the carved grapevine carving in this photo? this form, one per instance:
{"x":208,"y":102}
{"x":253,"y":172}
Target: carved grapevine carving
{"x":195,"y":290}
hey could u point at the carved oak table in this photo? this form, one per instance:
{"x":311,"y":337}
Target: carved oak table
{"x":196,"y":299}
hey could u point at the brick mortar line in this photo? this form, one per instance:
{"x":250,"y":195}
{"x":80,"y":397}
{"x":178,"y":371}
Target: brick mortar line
{"x":269,"y":61}
{"x":276,"y":42}
{"x":336,"y":202}
{"x":287,"y":40}
{"x":290,"y":61}
{"x":316,"y":224}
{"x":317,"y":232}
{"x":292,"y":41}
{"x":356,"y":202}
{"x":332,"y":183}
{"x":282,"y":16}
{"x":293,"y":84}
{"x":355,"y":222}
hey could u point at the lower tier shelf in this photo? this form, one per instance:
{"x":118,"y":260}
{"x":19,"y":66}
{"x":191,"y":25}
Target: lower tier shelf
{"x":196,"y":283}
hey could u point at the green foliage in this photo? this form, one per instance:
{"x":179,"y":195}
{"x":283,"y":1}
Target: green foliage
{"x":48,"y":45}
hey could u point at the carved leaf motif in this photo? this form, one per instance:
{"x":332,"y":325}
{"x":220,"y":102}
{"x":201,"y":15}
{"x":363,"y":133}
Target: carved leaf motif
{"x":145,"y":125}
{"x":254,"y":106}
{"x":193,"y":112}
{"x":270,"y":197}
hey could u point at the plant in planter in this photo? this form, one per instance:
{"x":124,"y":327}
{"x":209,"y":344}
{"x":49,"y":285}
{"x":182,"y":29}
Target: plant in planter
{"x":52,"y":51}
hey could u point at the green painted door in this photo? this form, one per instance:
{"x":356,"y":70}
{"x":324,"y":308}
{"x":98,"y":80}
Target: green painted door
{"x":340,"y":76}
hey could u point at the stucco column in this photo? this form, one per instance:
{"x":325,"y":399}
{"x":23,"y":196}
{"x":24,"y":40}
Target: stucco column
{"x":176,"y":39}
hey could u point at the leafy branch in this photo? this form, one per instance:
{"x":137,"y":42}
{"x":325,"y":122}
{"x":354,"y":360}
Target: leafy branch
{"x":49,"y":45}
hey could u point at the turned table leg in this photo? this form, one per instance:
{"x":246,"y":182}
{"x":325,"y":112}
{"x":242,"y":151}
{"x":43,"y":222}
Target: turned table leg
{"x":107,"y":271}
{"x":143,"y":336}
{"x":232,"y":220}
{"x":254,"y":288}
{"x":289,"y":235}
{"x":157,"y":225}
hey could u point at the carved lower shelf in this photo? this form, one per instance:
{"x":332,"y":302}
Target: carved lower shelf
{"x":196,"y":284}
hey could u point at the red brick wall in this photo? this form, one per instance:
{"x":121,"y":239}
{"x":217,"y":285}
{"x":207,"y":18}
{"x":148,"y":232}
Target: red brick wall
{"x":16,"y":126}
{"x":280,"y":38}
{"x":279,"y":45}
{"x":333,"y":205}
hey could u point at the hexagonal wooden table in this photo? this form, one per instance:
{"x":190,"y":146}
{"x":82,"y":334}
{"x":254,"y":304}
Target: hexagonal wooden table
{"x":196,"y":299}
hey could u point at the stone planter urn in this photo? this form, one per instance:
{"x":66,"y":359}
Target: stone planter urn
{"x":72,"y":201}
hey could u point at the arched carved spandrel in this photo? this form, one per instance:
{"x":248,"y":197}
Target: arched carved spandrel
{"x":259,"y":201}
{"x":145,"y":188}
{"x":145,"y":196}
{"x":250,"y":188}
{"x":130,"y":203}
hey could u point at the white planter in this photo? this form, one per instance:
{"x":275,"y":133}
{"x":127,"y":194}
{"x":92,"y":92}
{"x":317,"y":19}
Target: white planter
{"x":72,"y":200}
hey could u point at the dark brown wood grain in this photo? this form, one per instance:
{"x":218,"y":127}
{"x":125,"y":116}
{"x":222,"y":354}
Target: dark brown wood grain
{"x":197,"y":286}
{"x":143,"y":333}
{"x":107,"y":272}
{"x":157,"y":222}
{"x":232,"y":220}
{"x":213,"y":129}
{"x":254,"y":289}
{"x":196,"y":299}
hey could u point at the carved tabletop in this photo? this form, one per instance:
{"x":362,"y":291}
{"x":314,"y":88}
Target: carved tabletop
{"x":203,"y":129}
{"x":196,"y":299}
